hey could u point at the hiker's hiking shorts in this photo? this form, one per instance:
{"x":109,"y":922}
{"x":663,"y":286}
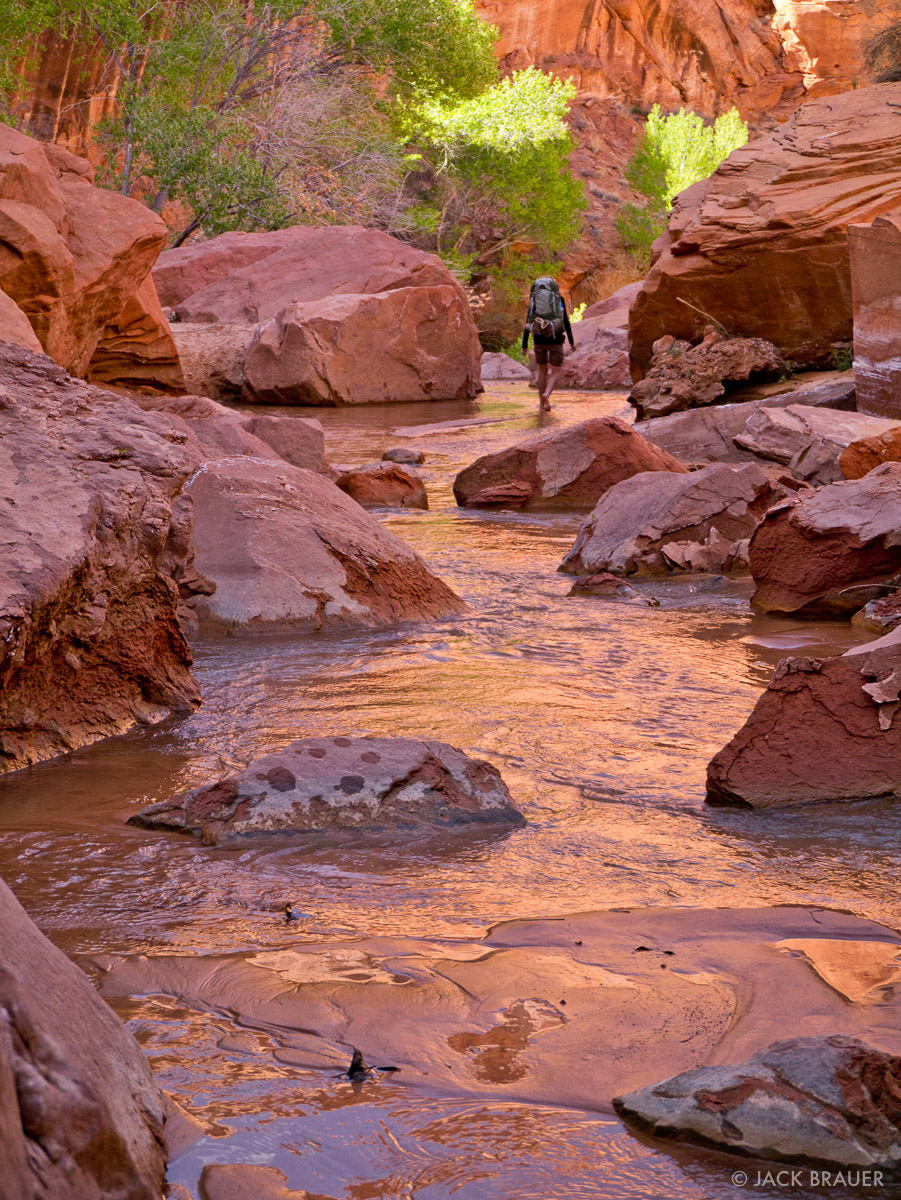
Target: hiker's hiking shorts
{"x":549,"y":354}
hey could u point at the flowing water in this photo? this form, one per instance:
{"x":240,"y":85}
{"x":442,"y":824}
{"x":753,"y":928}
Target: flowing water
{"x":601,"y":717}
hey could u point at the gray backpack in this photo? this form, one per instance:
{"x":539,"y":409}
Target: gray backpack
{"x":546,"y":308}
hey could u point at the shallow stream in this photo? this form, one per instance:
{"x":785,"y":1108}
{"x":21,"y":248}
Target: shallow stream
{"x":602,"y":718}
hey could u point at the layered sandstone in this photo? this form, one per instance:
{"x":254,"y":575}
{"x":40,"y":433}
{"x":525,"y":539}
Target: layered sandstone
{"x":761,"y":247}
{"x":97,"y":543}
{"x":875,"y":264}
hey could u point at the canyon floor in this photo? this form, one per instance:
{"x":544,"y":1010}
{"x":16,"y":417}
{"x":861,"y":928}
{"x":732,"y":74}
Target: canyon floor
{"x":517,"y":981}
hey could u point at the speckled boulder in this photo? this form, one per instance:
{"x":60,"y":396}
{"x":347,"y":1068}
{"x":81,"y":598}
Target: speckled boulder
{"x":342,"y":784}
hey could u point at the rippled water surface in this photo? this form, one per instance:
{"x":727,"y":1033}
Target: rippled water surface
{"x":602,"y":718}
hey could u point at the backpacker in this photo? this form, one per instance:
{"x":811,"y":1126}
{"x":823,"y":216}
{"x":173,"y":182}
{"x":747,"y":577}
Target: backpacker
{"x":546,"y":308}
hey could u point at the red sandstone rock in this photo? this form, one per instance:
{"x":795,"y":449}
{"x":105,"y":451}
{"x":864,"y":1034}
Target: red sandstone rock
{"x":71,"y":254}
{"x":137,"y":350}
{"x":503,"y":367}
{"x":80,"y":1115}
{"x":662,"y":522}
{"x":862,"y":456}
{"x":880,"y":616}
{"x":408,"y":344}
{"x":821,"y":1100}
{"x":245,"y":278}
{"x":212,"y":357}
{"x":824,"y":729}
{"x":284,"y":546}
{"x":384,"y":485}
{"x":684,"y":376}
{"x":15,"y":328}
{"x":600,"y":360}
{"x":342,"y":784}
{"x":97,"y":546}
{"x":875,"y":257}
{"x":762,"y":246}
{"x":824,"y":552}
{"x":565,"y":468}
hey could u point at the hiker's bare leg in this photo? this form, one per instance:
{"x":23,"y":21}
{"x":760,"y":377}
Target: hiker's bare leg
{"x":542,"y":383}
{"x":552,"y":376}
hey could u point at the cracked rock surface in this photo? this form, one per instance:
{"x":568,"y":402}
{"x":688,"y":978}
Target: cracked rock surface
{"x":321,"y":785}
{"x":832,"y":1100}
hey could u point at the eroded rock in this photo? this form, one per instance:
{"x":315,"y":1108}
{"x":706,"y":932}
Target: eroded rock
{"x":684,"y":376}
{"x":659,"y":522}
{"x":860,"y":457}
{"x":284,"y":546}
{"x":384,"y":485}
{"x":820,"y":1100}
{"x":136,"y":349}
{"x":326,"y":785}
{"x":565,"y":468}
{"x":98,"y":550}
{"x":80,"y":1115}
{"x":821,"y":552}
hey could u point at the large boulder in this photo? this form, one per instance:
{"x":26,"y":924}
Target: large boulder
{"x":657,"y":523}
{"x":408,"y":344}
{"x":827,"y":1101}
{"x":563,"y":468}
{"x":326,"y":785}
{"x":245,"y":278}
{"x":762,"y":245}
{"x":97,"y":544}
{"x":212,"y":357}
{"x":684,"y":376}
{"x":824,"y":729}
{"x":825,"y":551}
{"x":285,"y":547}
{"x":860,"y":457}
{"x":71,"y":254}
{"x":875,"y":252}
{"x":80,"y":1115}
{"x":705,"y":435}
{"x":136,"y":349}
{"x":384,"y":485}
{"x":808,"y":440}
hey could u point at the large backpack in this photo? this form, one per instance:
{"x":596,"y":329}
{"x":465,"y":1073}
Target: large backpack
{"x":546,"y":308}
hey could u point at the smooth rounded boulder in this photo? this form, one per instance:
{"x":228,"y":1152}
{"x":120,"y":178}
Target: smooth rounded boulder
{"x":817,"y":1100}
{"x":343,"y":784}
{"x":384,"y":485}
{"x":563,"y":468}
{"x":409,"y":344}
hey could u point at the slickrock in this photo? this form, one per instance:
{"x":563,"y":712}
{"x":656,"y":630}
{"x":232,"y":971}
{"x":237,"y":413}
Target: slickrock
{"x":246,"y":278}
{"x":809,"y":441}
{"x":706,"y":435}
{"x":407,"y":344}
{"x":862,"y":456}
{"x":71,"y":255}
{"x":684,"y":376}
{"x":80,"y":1115}
{"x":660,"y":522}
{"x":136,"y":349}
{"x":504,"y":368}
{"x":819,"y":1100}
{"x":97,"y":552}
{"x":285,"y":547}
{"x":762,"y":245}
{"x":875,"y":262}
{"x":830,"y":551}
{"x":323,"y":785}
{"x":824,"y":729}
{"x":566,"y":468}
{"x":384,"y":485}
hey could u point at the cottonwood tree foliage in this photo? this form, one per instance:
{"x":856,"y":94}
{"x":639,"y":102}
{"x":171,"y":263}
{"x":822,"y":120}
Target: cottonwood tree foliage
{"x":673,"y":152}
{"x":383,"y":112}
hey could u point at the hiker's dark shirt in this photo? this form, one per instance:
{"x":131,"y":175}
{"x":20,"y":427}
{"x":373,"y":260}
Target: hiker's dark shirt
{"x":546,"y":341}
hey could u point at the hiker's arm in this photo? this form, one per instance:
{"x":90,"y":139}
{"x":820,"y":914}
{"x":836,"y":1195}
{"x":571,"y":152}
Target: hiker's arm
{"x":567,"y":328}
{"x":525,"y":338}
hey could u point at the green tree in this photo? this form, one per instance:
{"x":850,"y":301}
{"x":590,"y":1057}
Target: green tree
{"x":674,"y":151}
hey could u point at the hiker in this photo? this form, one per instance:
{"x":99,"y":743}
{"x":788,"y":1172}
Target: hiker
{"x":547,"y":322}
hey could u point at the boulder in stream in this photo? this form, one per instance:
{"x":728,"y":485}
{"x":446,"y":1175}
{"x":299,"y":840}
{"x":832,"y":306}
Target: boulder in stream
{"x":562,"y":468}
{"x":384,"y":485}
{"x":341,"y":785}
{"x":80,"y":1115}
{"x":820,"y":1100}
